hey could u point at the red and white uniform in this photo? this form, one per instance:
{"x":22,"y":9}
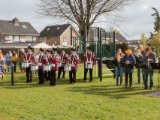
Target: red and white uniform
{"x":63,"y":58}
{"x":30,"y":57}
{"x":89,"y":57}
{"x":42,"y":60}
{"x":48,"y":58}
{"x":54,"y":60}
{"x":74,"y":60}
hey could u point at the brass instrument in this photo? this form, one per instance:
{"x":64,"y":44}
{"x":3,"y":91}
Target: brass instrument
{"x":137,"y":52}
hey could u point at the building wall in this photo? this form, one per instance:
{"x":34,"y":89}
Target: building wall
{"x":66,"y":34}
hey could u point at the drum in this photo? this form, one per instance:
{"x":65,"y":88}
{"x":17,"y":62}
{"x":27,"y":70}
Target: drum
{"x":67,"y":68}
{"x":59,"y":64}
{"x":53,"y":65}
{"x":46,"y":68}
{"x":34,"y":67}
{"x":89,"y":65}
{"x":25,"y":65}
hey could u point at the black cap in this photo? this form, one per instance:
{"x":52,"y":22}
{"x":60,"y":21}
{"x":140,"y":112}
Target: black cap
{"x":73,"y":49}
{"x":54,"y":49}
{"x":48,"y":50}
{"x":62,"y":49}
{"x":29,"y":47}
{"x":41,"y":50}
{"x":88,"y":48}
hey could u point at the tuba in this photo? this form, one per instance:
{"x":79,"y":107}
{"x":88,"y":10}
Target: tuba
{"x":137,"y":52}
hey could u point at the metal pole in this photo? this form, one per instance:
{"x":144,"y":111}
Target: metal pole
{"x":98,"y":51}
{"x":100,"y":44}
{"x":114,"y":48}
{"x":114,"y":43}
{"x":71,"y":35}
{"x":12,"y":74}
{"x":84,"y":47}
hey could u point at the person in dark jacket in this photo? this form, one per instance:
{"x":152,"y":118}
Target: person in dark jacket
{"x":129,"y":59}
{"x":147,"y":59}
{"x":139,"y":54}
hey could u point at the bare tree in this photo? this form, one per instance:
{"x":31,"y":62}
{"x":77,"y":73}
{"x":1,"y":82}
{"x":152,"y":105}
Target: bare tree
{"x":81,"y":12}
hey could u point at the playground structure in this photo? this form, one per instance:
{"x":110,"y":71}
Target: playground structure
{"x":98,"y":47}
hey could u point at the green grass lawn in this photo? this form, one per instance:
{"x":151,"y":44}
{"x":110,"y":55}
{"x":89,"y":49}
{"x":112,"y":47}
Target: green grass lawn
{"x":81,"y":101}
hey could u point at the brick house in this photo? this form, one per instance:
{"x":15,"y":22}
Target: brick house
{"x":58,"y":35}
{"x":15,"y":31}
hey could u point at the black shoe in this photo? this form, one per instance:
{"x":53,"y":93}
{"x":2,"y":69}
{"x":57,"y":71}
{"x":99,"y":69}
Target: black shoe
{"x":27,"y":81}
{"x":90,"y":80}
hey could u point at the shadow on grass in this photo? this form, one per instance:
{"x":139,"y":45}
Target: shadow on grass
{"x":117,"y":92}
{"x":20,"y":83}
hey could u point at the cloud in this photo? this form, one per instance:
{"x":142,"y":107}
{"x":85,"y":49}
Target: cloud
{"x":136,"y":20}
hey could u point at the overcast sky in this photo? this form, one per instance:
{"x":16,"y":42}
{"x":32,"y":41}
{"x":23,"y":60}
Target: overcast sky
{"x":136,"y":20}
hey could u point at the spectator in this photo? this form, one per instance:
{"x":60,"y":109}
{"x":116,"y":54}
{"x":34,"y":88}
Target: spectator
{"x":8,"y":60}
{"x":14,"y":59}
{"x":22,"y":58}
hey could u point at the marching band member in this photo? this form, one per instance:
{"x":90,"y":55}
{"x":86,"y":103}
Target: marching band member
{"x":118,"y":69}
{"x":147,"y":59}
{"x":41,"y":61}
{"x":73,"y":60}
{"x":47,"y":73}
{"x":63,"y":60}
{"x":89,"y":57}
{"x":128,"y":59}
{"x":54,"y":63}
{"x":30,"y":59}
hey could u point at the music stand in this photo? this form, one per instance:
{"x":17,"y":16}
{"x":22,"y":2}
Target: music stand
{"x":124,"y":66}
{"x":111,"y":65}
{"x":156,"y":66}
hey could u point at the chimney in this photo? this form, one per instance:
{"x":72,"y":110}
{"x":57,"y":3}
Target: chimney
{"x":16,"y":22}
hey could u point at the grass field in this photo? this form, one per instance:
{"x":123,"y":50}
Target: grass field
{"x":81,"y":101}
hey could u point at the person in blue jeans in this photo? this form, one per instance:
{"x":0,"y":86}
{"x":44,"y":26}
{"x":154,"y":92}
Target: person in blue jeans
{"x":118,"y":69}
{"x":9,"y":60}
{"x":139,"y":52}
{"x":147,"y":59}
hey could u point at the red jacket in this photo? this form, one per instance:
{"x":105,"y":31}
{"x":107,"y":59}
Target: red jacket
{"x":55,"y":60}
{"x":43,"y":60}
{"x":89,"y":57}
{"x":74,"y":60}
{"x":63,"y":58}
{"x":30,"y":57}
{"x":49,"y":58}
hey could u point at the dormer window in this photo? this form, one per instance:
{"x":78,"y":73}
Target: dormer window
{"x":48,"y":28}
{"x":24,"y":26}
{"x":58,"y":28}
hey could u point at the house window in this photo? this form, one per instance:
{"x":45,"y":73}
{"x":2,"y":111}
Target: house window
{"x":24,"y":26}
{"x":16,"y":38}
{"x":10,"y":38}
{"x":28,"y":38}
{"x":64,"y":41}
